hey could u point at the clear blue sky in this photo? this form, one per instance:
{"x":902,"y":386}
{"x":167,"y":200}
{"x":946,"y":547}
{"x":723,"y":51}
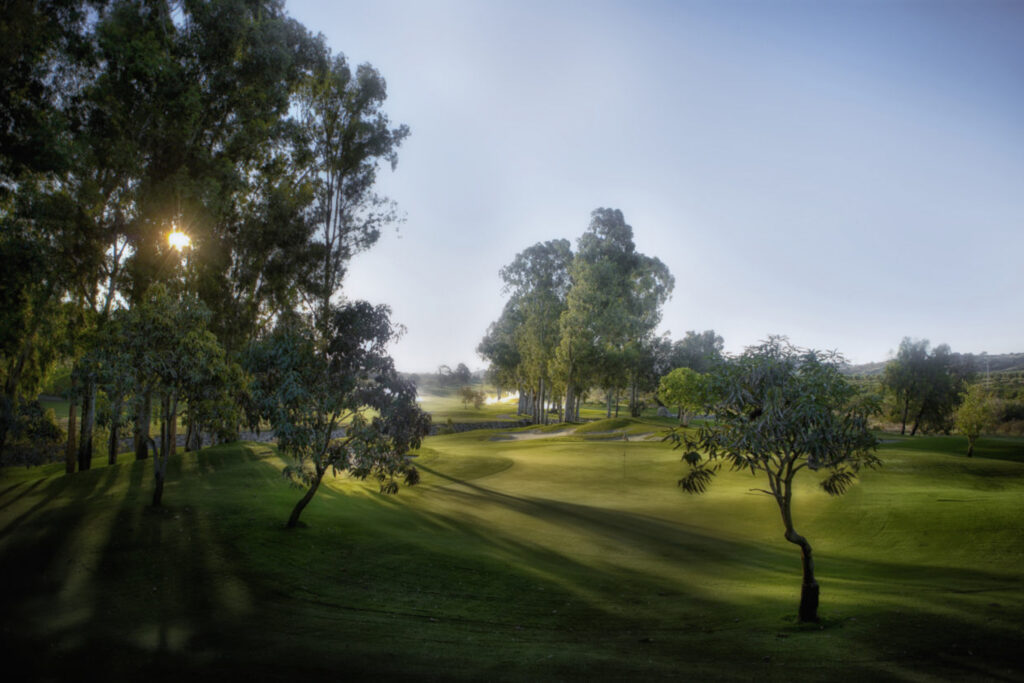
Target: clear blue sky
{"x":845,"y":173}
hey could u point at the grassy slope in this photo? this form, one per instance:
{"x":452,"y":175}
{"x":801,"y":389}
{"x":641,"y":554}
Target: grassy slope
{"x":554,"y":558}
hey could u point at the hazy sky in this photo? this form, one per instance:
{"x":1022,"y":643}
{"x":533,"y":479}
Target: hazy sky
{"x":845,"y":173}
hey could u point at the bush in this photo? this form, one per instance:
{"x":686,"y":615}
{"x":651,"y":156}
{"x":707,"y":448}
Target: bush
{"x":33,"y":434}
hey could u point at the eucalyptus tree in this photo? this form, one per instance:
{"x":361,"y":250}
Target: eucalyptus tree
{"x":336,"y":401}
{"x":779,"y":410}
{"x":161,"y":347}
{"x":538,"y":280}
{"x":499,"y":348}
{"x":697,"y":350}
{"x":349,"y":137}
{"x":612,"y":308}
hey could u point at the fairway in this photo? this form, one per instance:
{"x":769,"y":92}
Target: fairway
{"x":569,"y":555}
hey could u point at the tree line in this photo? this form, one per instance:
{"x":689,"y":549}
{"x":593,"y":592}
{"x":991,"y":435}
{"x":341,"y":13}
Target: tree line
{"x":230,"y":122}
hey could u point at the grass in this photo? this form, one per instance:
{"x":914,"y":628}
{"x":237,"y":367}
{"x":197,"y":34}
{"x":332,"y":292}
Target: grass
{"x":551,"y":558}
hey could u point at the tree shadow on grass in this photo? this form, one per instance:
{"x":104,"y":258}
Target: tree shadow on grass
{"x":397,"y":591}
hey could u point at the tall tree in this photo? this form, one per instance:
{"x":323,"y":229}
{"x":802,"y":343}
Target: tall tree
{"x":538,"y":281}
{"x":349,"y":137}
{"x":778,"y":410}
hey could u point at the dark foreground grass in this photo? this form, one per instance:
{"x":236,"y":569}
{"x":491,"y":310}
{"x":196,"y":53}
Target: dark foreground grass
{"x":514,"y":560}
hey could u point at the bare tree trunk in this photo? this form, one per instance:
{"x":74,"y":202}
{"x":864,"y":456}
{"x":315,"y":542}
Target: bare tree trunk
{"x":113,"y":444}
{"x":142,"y":419}
{"x":809,"y":589}
{"x":608,"y":401}
{"x":159,"y":473}
{"x":293,"y":519}
{"x":71,"y":453}
{"x":906,"y":410}
{"x":970,"y":447}
{"x":88,"y":420}
{"x":542,"y":413}
{"x":570,"y":401}
{"x":193,"y":435}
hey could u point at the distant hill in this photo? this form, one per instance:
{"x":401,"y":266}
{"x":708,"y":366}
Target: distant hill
{"x":1000,"y":362}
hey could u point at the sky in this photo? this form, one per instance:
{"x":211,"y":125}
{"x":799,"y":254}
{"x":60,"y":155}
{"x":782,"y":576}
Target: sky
{"x":845,"y":173}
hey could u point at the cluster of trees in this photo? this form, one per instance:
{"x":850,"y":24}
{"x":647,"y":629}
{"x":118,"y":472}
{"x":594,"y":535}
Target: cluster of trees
{"x":581,"y":321}
{"x":231,"y":122}
{"x":926,"y":385}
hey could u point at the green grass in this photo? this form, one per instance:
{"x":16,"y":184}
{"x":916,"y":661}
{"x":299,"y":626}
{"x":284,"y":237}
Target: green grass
{"x":547,"y":558}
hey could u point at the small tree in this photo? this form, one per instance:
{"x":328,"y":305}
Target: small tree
{"x":685,"y":389}
{"x":312,"y":389}
{"x":975,"y":415}
{"x":470,"y":395}
{"x":778,"y":410}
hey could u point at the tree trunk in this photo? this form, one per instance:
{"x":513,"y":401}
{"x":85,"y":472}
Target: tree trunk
{"x":193,"y":435}
{"x":570,"y":402}
{"x":579,"y":400}
{"x":293,"y":519}
{"x":906,"y":411}
{"x":71,"y":453}
{"x":809,"y":589}
{"x":113,"y":444}
{"x":970,"y":447}
{"x":142,"y":416}
{"x":616,"y":401}
{"x":88,"y":420}
{"x":608,"y":402}
{"x":159,"y":473}
{"x":542,"y":404}
{"x":917,"y":422}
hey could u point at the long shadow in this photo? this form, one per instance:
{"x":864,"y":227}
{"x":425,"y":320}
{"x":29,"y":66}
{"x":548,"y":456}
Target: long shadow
{"x":158,"y":607}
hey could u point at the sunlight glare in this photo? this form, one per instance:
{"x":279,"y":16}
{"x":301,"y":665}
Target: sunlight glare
{"x":179,"y":240}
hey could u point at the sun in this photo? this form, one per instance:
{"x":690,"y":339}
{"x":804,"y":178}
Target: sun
{"x":179,"y":240}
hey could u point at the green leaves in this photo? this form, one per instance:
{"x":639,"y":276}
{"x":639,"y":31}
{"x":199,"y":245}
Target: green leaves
{"x":779,"y":409}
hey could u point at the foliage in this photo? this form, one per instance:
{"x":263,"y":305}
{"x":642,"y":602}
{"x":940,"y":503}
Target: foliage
{"x":470,"y":395}
{"x":975,"y":415}
{"x":684,"y":388}
{"x":336,"y":402}
{"x":927,"y":386}
{"x":349,"y":137}
{"x":778,"y":410}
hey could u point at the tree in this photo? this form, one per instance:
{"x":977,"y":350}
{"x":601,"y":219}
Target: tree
{"x":697,"y":350}
{"x":499,"y":348}
{"x":164,"y":350}
{"x":685,"y":389}
{"x":975,"y":414}
{"x":537,"y":280}
{"x":336,"y":401}
{"x":778,"y":410}
{"x":927,"y":386}
{"x":349,"y":137}
{"x":470,"y":395}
